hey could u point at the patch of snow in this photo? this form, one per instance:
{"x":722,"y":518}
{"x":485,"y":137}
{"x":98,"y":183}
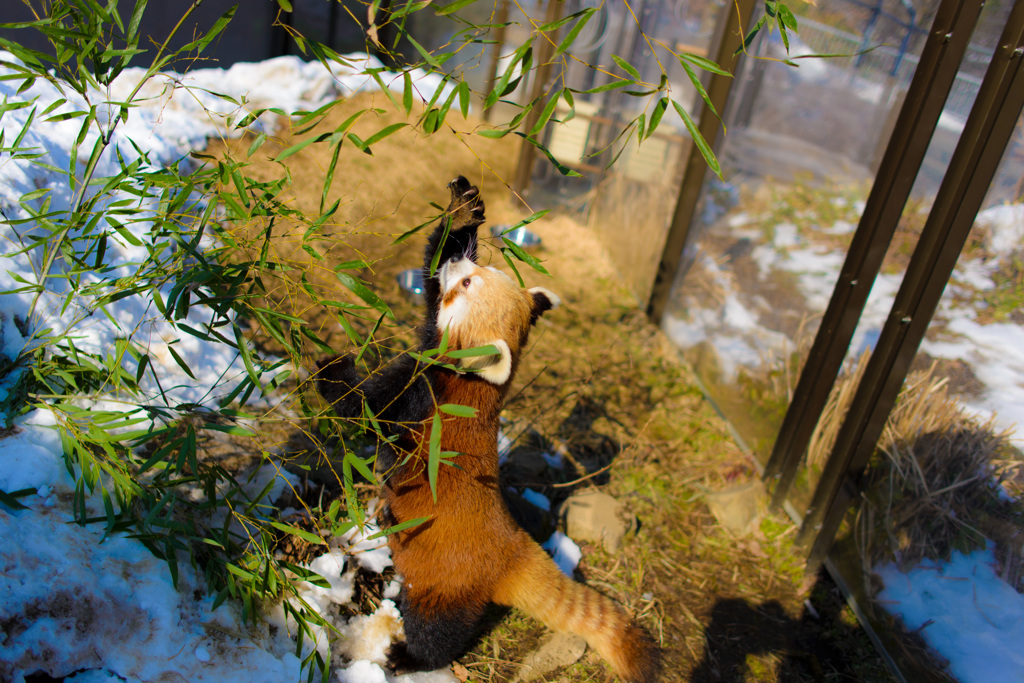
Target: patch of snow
{"x":840,"y":227}
{"x":554,"y":461}
{"x":362,"y":672}
{"x":371,"y":553}
{"x":1005,"y":225}
{"x":565,"y":552}
{"x":964,"y":611}
{"x":368,"y":637}
{"x":786,"y":236}
{"x":537,"y":499}
{"x":112,"y":605}
{"x":504,"y":446}
{"x":738,"y":220}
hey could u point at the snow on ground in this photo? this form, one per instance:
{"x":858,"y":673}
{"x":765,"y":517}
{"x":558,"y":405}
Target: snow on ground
{"x":70,"y":602}
{"x":964,"y":611}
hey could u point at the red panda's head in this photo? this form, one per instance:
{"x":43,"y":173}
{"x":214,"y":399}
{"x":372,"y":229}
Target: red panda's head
{"x":481,"y":306}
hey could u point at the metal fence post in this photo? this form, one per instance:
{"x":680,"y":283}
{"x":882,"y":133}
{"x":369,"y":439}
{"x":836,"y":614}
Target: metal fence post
{"x":732,"y":26}
{"x":933,"y":79}
{"x":973,"y":166}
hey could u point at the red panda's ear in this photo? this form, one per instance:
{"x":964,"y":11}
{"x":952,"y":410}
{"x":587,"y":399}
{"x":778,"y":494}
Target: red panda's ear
{"x":543,"y":300}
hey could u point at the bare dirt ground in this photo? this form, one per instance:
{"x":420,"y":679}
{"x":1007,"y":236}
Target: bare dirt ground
{"x":600,"y":384}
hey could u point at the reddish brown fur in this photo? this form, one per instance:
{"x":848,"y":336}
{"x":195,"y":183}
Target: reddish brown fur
{"x":472,"y":546}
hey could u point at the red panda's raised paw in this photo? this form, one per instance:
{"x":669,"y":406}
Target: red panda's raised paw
{"x":466,"y":207}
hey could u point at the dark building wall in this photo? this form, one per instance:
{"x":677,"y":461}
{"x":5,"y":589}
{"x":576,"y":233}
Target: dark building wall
{"x":248,"y":38}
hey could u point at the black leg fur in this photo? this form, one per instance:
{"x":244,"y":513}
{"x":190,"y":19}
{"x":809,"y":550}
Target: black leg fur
{"x":466,"y":213}
{"x":397,"y":393}
{"x":435,"y":642}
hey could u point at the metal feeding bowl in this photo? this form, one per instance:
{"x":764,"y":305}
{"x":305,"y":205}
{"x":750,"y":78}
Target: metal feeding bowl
{"x":411,"y":282}
{"x":521,"y":237}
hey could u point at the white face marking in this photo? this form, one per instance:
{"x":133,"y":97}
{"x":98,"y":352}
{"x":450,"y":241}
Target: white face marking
{"x":455,"y":274}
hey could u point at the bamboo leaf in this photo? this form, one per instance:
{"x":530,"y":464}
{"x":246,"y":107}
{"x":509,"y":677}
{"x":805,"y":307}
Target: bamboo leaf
{"x":659,"y":111}
{"x":627,"y":67}
{"x":698,"y":139}
{"x":703,"y":63}
{"x":434,"y":454}
{"x":575,"y":31}
{"x":409,"y":524}
{"x":523,"y":256}
{"x":457,"y":410}
{"x":545,"y":115}
{"x":487,"y":350}
{"x":453,"y":7}
{"x":427,"y":57}
{"x":562,"y":168}
{"x":363,"y":292}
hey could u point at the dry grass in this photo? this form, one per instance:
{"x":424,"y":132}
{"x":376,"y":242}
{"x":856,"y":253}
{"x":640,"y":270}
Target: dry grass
{"x":935,"y":485}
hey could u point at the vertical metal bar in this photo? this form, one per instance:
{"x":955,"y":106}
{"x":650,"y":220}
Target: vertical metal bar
{"x":332,"y":25}
{"x":732,"y":26}
{"x":527,"y":152}
{"x":933,"y":79}
{"x":499,"y":42}
{"x":971,"y":170}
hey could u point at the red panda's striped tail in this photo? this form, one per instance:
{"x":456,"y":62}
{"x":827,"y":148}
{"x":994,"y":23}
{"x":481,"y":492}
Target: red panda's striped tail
{"x":540,"y":589}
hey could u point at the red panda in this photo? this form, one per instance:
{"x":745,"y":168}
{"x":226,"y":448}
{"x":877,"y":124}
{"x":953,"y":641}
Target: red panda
{"x":470,"y":552}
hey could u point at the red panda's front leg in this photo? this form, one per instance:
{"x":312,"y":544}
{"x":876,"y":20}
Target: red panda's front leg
{"x":398,"y":394}
{"x":454,"y":237}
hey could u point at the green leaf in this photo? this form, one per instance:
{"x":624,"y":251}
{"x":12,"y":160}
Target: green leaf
{"x":434,"y":262}
{"x":243,"y":350}
{"x":363,"y":292}
{"x":493,"y":133}
{"x":383,"y":133}
{"x":457,"y":410}
{"x":522,"y":54}
{"x":181,"y":363}
{"x":360,"y":466}
{"x":627,"y":67}
{"x":545,"y":115}
{"x":434,"y":454}
{"x":788,"y":20}
{"x":10,"y":500}
{"x":604,"y":88}
{"x":562,"y":168}
{"x":453,"y":7}
{"x":559,"y":23}
{"x":523,"y":256}
{"x":464,"y":98}
{"x":700,"y":89}
{"x":659,"y":111}
{"x":486,"y":350}
{"x":406,"y":92}
{"x":529,"y":219}
{"x":307,"y":536}
{"x":698,"y":139}
{"x":427,"y":57}
{"x":703,"y":63}
{"x":398,"y":527}
{"x":299,"y":147}
{"x":571,"y":36}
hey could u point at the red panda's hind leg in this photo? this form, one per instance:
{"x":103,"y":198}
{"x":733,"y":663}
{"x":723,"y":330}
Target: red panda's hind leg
{"x":436,"y":637}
